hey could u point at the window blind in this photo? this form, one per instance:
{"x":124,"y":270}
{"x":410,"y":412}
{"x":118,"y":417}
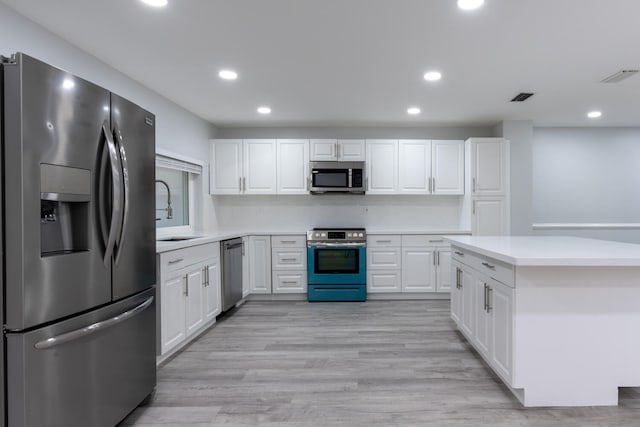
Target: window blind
{"x":181,"y":165}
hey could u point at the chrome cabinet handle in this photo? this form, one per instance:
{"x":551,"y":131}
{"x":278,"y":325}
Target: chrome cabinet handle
{"x":485,"y":297}
{"x":383,"y":241}
{"x":175,"y":261}
{"x":458,"y":253}
{"x":433,"y":185}
{"x":438,"y":257}
{"x":240,"y":185}
{"x":337,"y":151}
{"x":93,"y":328}
{"x":474,"y":207}
{"x":289,"y":259}
{"x":288,"y":282}
{"x":287,"y":242}
{"x":186,"y":285}
{"x":486,"y":264}
{"x":244,"y":183}
{"x":474,"y":184}
{"x":436,"y":241}
{"x":458,"y":281}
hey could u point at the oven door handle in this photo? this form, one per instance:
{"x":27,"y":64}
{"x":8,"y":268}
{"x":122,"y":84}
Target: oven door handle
{"x":336,"y":245}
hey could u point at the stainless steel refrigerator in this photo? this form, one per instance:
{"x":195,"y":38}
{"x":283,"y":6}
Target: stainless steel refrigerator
{"x":78,"y":249}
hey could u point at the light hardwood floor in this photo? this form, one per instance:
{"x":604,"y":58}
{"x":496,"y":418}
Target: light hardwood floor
{"x":379,"y":363}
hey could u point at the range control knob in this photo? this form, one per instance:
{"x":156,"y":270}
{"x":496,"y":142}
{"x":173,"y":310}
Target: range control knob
{"x":360,"y":235}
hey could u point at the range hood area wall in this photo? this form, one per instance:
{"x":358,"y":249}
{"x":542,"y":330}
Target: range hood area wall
{"x":371,"y":212}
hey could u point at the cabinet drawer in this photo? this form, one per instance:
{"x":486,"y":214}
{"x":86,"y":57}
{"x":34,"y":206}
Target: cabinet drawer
{"x":383,"y":240}
{"x":291,"y":259}
{"x":175,"y":260}
{"x":386,"y":257}
{"x":296,"y":241}
{"x":289,"y":282}
{"x":384,"y":281}
{"x":497,"y":270}
{"x":413,"y":240}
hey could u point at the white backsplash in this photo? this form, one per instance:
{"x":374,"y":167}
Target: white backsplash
{"x":306,"y":212}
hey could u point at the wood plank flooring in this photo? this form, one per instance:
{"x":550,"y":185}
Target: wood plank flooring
{"x":379,"y":363}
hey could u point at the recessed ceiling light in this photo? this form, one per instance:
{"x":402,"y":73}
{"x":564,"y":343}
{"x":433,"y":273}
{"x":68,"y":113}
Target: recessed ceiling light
{"x":155,"y":3}
{"x":594,"y":114}
{"x":228,"y":74}
{"x":432,"y":76}
{"x":264,"y":110}
{"x":413,"y":111}
{"x":68,"y":84}
{"x":470,"y":4}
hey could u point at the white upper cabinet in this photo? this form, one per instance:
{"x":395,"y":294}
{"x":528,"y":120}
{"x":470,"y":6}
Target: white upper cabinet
{"x":293,"y":166}
{"x":382,"y":166}
{"x":414,"y":166}
{"x":243,"y":166}
{"x":348,"y":150}
{"x":488,"y":166}
{"x":351,"y":150}
{"x":259,"y":166}
{"x":226,"y":166}
{"x":447,"y":171}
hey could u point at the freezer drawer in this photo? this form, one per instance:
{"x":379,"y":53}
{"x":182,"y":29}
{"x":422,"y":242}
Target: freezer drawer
{"x":69,"y":374}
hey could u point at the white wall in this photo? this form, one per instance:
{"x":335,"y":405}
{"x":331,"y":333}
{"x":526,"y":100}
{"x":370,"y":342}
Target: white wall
{"x":583,"y":176}
{"x":306,"y":212}
{"x":177,"y":129}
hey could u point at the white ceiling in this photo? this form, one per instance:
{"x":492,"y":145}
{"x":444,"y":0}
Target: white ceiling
{"x":360,"y":62}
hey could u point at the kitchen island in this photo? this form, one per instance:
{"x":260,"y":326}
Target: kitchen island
{"x":557,"y":318}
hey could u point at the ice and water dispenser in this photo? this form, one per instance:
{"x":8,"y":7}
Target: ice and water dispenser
{"x":65,"y":194}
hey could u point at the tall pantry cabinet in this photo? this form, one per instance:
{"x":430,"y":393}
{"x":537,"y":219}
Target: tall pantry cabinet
{"x":488,"y":185}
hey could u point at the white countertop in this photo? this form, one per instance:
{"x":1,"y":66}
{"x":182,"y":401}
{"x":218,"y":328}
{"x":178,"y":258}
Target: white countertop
{"x":204,"y":238}
{"x":550,"y":250}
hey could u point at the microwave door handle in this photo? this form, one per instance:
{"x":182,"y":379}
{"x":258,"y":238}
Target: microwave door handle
{"x":116,"y":182}
{"x":125,"y":182}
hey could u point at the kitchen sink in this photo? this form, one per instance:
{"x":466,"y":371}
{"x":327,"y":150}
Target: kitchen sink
{"x":177,"y":238}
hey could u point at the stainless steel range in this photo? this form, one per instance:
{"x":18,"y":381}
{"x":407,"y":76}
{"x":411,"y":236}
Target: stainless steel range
{"x":336,"y":264}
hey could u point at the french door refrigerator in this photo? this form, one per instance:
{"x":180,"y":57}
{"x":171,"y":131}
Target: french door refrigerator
{"x":78,"y":249}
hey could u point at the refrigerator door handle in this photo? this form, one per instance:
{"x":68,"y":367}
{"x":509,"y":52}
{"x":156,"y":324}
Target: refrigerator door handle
{"x":125,"y":181}
{"x":116,"y":209}
{"x":93,"y":328}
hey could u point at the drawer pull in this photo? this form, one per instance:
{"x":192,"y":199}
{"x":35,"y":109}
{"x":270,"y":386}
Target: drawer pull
{"x":383,"y":241}
{"x":289,"y":282}
{"x":289,"y":260}
{"x":458,"y":253}
{"x":175,"y":261}
{"x":436,"y":241}
{"x":290,"y":242}
{"x":486,"y":264}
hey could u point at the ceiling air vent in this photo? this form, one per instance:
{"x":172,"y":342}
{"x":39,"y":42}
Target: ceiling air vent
{"x":521,"y":97}
{"x":619,"y":76}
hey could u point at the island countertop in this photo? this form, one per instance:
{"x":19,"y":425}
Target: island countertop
{"x":551,"y":250}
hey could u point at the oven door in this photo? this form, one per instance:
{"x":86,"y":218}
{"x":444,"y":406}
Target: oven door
{"x":336,"y":265}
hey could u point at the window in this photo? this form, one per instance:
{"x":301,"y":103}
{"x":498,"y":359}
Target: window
{"x":174,"y":187}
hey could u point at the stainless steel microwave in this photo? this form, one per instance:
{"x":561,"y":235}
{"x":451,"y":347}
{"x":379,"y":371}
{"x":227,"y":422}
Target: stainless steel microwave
{"x":337,"y":177}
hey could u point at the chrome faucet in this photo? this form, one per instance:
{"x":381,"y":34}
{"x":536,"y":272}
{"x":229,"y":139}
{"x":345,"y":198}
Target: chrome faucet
{"x":169,"y":209}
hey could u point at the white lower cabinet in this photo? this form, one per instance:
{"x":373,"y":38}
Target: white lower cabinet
{"x":384,"y":263}
{"x":189,"y":294}
{"x":483,"y":307}
{"x":426,"y":264}
{"x":289,"y":264}
{"x":260,"y":264}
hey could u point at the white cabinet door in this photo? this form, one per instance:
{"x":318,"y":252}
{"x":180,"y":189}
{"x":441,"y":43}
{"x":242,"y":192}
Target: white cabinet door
{"x":172,"y":314}
{"x":414,"y":166}
{"x":246,"y":288}
{"x":489,"y":217}
{"x":260,"y":264}
{"x":384,"y":281}
{"x":418,"y":270}
{"x":488,"y":168}
{"x":259,"y":166}
{"x":226,"y":166}
{"x":443,"y":271}
{"x":467,"y":302}
{"x":323,"y":150}
{"x":293,"y":166}
{"x":501,"y":308}
{"x":447,"y":167}
{"x":482,"y":324}
{"x":456,"y":293}
{"x":382,"y":166}
{"x":195,"y":313}
{"x":351,"y":150}
{"x":212,"y":290}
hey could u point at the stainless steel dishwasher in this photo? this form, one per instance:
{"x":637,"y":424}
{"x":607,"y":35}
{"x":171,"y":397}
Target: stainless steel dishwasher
{"x":232,"y":251}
